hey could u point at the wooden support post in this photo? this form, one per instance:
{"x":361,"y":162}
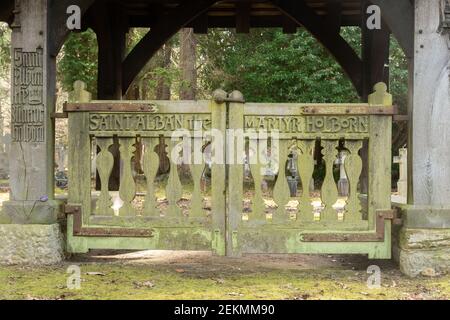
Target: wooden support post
{"x":243,"y":10}
{"x":110,"y":28}
{"x":375,"y":69}
{"x":289,"y":26}
{"x":334,"y":15}
{"x":235,"y":174}
{"x":375,"y":55}
{"x":200,"y":25}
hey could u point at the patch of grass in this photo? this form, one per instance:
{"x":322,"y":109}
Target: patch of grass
{"x":119,"y":281}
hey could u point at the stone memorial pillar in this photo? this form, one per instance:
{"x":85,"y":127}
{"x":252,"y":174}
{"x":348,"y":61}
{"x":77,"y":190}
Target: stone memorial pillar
{"x":424,"y":239}
{"x":29,"y":232}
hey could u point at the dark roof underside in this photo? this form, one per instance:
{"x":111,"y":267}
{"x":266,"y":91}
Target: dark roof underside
{"x":260,"y":13}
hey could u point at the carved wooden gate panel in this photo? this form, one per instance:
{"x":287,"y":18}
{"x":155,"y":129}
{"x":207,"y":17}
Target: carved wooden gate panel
{"x":236,"y":215}
{"x":130,"y":218}
{"x":282,"y":222}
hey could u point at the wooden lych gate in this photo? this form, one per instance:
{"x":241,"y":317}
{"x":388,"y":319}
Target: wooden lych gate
{"x":228,"y":218}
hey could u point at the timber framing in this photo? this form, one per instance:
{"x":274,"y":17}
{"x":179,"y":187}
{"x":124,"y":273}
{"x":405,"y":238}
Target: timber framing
{"x":80,"y":231}
{"x":379,"y":236}
{"x":165,"y":18}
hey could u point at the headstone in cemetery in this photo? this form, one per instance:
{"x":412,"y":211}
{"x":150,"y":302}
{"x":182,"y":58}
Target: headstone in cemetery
{"x":5,"y":141}
{"x":343,"y":186}
{"x":402,"y":184}
{"x":61,"y":158}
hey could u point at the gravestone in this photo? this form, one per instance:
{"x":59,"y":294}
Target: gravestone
{"x":343,"y":186}
{"x":402,"y":184}
{"x":61,"y":158}
{"x":5,"y":142}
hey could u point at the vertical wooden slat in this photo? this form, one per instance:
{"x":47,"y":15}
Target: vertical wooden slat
{"x":197,"y":166}
{"x":174,"y":190}
{"x":258,"y":210}
{"x":353,"y":167}
{"x":235,"y":176}
{"x":306,"y":170}
{"x":281,"y":191}
{"x":218,"y":175}
{"x":150,"y":167}
{"x":127,"y":190}
{"x":329,"y":193}
{"x":104,"y":163}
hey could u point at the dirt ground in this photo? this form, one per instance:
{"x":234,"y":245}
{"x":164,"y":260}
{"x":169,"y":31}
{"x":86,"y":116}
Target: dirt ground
{"x":199,"y":275}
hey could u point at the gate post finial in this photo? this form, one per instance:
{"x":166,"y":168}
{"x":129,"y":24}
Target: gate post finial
{"x":380,"y":96}
{"x":79,"y":93}
{"x":236,"y":96}
{"x":219,"y":96}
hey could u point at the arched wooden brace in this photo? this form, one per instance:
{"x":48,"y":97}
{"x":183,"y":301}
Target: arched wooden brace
{"x":167,"y":26}
{"x":399,"y":16}
{"x":322,"y":30}
{"x":6,"y":11}
{"x":58,"y":19}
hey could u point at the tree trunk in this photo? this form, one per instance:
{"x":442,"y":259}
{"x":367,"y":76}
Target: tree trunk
{"x":188,"y":57}
{"x":163,"y":87}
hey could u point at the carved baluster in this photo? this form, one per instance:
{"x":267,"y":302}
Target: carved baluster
{"x":258,"y":210}
{"x":174,"y":190}
{"x":104,"y":163}
{"x":306,"y":170}
{"x":150,"y":167}
{"x":197,"y":166}
{"x":127,"y":190}
{"x":353,"y":167}
{"x":329,"y":192}
{"x":281,"y":191}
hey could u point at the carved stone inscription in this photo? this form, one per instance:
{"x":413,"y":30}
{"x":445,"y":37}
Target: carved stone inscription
{"x":309,"y":124}
{"x":28,"y":110}
{"x":147,"y":122}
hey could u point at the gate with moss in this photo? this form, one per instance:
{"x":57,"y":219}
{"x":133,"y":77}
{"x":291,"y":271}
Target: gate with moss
{"x":228,"y":200}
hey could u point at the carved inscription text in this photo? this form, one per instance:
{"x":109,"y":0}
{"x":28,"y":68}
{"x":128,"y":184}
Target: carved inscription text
{"x":28,"y":110}
{"x":309,"y":124}
{"x":146,"y":122}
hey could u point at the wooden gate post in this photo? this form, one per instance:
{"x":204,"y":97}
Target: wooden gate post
{"x":235,"y":172}
{"x":218,"y":173}
{"x":380,"y":161}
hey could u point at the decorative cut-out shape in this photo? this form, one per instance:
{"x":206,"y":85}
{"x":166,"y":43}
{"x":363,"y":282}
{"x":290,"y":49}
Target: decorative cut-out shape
{"x":306,"y":169}
{"x":174,"y":190}
{"x":150,"y":167}
{"x":196,"y":172}
{"x":353,"y":167}
{"x":329,"y":192}
{"x":258,"y":209}
{"x":281,"y":191}
{"x":127,"y":190}
{"x":105,"y":164}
